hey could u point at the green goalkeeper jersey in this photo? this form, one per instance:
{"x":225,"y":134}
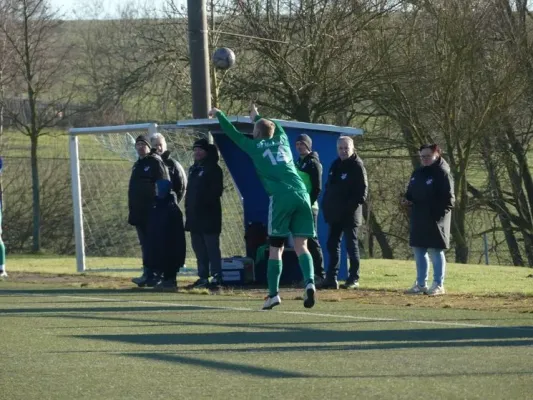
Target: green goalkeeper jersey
{"x":272,"y":158}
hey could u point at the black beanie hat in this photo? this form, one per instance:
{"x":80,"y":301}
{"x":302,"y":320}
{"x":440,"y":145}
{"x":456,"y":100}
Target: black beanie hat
{"x":144,"y":139}
{"x":201,"y":143}
{"x":305,"y":139}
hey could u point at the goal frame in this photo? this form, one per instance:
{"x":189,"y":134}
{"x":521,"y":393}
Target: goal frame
{"x":150,"y":128}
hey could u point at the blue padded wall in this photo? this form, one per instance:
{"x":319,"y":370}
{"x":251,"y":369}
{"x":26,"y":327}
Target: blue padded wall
{"x":255,"y":199}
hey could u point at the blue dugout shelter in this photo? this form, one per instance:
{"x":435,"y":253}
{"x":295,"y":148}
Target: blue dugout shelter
{"x":254,"y":198}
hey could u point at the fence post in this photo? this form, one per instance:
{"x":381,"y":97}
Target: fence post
{"x":486,"y":248}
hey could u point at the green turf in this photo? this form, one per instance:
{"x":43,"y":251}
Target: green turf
{"x":62,"y":343}
{"x":375,"y":274}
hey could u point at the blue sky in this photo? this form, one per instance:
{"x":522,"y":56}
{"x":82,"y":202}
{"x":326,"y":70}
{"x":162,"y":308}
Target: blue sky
{"x":69,"y":7}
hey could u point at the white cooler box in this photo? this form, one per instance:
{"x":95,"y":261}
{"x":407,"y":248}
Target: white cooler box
{"x":237,"y":270}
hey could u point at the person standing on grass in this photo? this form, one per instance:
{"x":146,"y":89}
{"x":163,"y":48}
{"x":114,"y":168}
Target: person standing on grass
{"x":203,"y":213}
{"x":430,"y":199}
{"x":165,"y":242}
{"x":290,"y":207}
{"x":175,"y":170}
{"x":345,"y":193}
{"x":146,"y":171}
{"x":310,"y":170}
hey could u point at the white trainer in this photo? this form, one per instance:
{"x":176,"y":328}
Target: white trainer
{"x":436,"y":290}
{"x":3,"y":274}
{"x":271,"y":302}
{"x":309,"y":295}
{"x":417,"y":289}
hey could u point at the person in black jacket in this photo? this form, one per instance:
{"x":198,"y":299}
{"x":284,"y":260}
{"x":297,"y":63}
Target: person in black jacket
{"x":175,"y":170}
{"x":203,"y":212}
{"x":310,"y":170}
{"x":165,"y":242}
{"x":430,"y":198}
{"x":146,"y":171}
{"x":345,"y":193}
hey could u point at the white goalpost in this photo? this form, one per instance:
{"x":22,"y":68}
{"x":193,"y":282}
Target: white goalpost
{"x":123,"y":131}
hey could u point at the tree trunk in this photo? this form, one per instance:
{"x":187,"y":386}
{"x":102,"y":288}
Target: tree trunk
{"x":375,"y":227}
{"x":498,"y":200}
{"x":528,"y":243}
{"x":458,"y":229}
{"x":36,"y":244}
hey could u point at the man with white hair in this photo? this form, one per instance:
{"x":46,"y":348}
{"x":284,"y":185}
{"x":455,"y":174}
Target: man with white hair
{"x":345,"y":193}
{"x":175,"y":170}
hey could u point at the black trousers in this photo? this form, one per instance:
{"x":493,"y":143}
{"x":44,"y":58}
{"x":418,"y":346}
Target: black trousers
{"x":208,"y":256}
{"x":142,"y":234}
{"x":316,"y":251}
{"x":335,"y":234}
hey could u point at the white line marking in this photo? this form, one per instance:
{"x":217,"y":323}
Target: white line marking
{"x":341,"y":316}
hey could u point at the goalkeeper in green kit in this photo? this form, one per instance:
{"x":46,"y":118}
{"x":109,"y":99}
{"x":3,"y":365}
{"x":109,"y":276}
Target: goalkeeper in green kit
{"x":290,"y":207}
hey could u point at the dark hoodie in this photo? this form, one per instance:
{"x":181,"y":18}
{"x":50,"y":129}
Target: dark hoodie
{"x":177,"y":175}
{"x":310,"y":170}
{"x":431,"y":191}
{"x":346,"y":192}
{"x":166,"y":235}
{"x":203,"y":210}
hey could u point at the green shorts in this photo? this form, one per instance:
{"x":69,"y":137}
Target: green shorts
{"x":290,"y":213}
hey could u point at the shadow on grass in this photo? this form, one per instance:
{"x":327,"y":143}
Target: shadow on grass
{"x":226,"y":366}
{"x":438,"y":337}
{"x":62,"y":310}
{"x":264,"y":372}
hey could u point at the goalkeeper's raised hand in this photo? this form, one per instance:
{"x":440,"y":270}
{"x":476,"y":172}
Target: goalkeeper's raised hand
{"x":213,"y":112}
{"x":253,"y":111}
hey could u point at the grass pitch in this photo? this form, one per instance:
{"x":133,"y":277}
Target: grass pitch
{"x":91,"y":337}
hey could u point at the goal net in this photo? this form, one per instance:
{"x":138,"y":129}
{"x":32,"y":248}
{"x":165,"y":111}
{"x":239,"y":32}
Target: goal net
{"x":101,"y":162}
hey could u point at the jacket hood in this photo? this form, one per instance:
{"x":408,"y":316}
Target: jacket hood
{"x":313,"y":154}
{"x":165,"y":155}
{"x":213,"y":155}
{"x":443,"y":165}
{"x":440,"y":163}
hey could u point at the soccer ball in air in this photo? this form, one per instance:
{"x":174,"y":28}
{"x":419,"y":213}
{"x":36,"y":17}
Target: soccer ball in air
{"x":223,"y":58}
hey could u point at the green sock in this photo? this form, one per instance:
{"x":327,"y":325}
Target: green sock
{"x":273,"y":275}
{"x":306,"y":265}
{"x":2,"y":255}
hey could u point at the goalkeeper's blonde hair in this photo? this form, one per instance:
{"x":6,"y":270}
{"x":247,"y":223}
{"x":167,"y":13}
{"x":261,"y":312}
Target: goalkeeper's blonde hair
{"x":264,"y":128}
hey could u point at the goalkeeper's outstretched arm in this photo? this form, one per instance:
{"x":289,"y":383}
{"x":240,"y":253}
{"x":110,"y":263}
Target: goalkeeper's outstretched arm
{"x":237,"y":137}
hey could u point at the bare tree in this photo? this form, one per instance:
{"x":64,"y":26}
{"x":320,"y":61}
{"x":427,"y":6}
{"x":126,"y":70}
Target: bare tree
{"x":40,"y":67}
{"x":436,"y":90}
{"x":305,"y":59}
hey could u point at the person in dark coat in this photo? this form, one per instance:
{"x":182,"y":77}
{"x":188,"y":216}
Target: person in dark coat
{"x":146,"y":171}
{"x":310,"y":170}
{"x":345,"y":193}
{"x":430,"y":198}
{"x":175,"y":170}
{"x":166,"y":238}
{"x":203,"y":212}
